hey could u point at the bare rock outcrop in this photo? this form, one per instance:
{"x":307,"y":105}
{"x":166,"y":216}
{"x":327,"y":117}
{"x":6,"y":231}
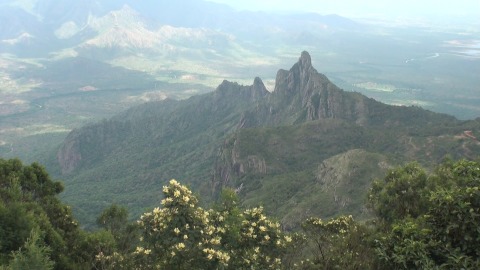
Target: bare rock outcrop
{"x":69,"y":156}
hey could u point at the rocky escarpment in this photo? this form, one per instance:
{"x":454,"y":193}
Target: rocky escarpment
{"x":231,"y":164}
{"x":231,"y":92}
{"x":69,"y":156}
{"x":91,"y":143}
{"x":340,"y":173}
{"x":303,"y":94}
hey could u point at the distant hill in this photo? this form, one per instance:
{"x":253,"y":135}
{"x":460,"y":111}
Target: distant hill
{"x":307,"y":148}
{"x":55,"y":25}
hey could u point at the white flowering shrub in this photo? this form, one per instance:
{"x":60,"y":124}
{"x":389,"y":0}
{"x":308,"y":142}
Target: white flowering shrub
{"x":262,"y":242}
{"x":182,"y":235}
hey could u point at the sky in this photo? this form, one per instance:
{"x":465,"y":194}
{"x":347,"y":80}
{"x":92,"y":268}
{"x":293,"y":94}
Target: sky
{"x":366,"y":8}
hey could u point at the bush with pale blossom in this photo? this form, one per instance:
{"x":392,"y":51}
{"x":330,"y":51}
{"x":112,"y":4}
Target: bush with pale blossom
{"x":182,"y":235}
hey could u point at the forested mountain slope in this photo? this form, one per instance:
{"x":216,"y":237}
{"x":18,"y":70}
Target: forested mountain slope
{"x":293,"y":145}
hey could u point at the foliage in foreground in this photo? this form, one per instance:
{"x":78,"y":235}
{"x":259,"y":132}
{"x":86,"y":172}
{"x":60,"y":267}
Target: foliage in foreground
{"x":421,"y":221}
{"x":29,"y":208}
{"x":182,"y":235}
{"x":429,"y":222}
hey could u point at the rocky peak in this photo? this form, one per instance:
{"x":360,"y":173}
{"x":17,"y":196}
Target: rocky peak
{"x":257,"y":82}
{"x":226,"y":85}
{"x":305,"y":61}
{"x":258,"y":89}
{"x":298,"y":78}
{"x":234,"y":92}
{"x":303,"y":94}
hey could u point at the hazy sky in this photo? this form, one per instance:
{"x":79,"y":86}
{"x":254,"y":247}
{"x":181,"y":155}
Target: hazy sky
{"x":365,"y":8}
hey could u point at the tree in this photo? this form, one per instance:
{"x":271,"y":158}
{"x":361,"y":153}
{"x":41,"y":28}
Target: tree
{"x":401,"y":194}
{"x":454,"y":215}
{"x":15,"y":227}
{"x":28,"y":200}
{"x":339,"y":243}
{"x":182,"y":235}
{"x":113,"y":219}
{"x":34,"y":255}
{"x":444,"y":229}
{"x":100,"y":248}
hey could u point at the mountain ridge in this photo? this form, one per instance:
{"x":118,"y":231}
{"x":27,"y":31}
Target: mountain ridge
{"x":71,"y":22}
{"x":238,"y":135}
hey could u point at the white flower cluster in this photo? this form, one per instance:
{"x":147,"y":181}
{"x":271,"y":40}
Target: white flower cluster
{"x":211,"y":254}
{"x":264,"y":239}
{"x":341,"y":225}
{"x":177,"y":194}
{"x":179,"y":231}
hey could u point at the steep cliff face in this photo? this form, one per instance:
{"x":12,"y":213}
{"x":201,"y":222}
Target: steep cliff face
{"x":69,"y":156}
{"x":91,"y":144}
{"x":303,"y":94}
{"x":231,"y":164}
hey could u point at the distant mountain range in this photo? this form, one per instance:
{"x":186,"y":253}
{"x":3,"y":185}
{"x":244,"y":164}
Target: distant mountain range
{"x":194,"y":44}
{"x":46,"y":26}
{"x":307,"y":148}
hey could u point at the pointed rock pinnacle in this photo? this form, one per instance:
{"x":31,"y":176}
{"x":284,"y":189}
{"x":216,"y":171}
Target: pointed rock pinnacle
{"x":305,"y":60}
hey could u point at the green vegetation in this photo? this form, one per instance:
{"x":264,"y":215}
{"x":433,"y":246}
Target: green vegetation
{"x":331,"y":161}
{"x":307,"y":149}
{"x":194,"y":238}
{"x":419,"y":220}
{"x":33,"y":256}
{"x":429,"y":221}
{"x":243,"y":137}
{"x":38,"y":232}
{"x":35,"y":225}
